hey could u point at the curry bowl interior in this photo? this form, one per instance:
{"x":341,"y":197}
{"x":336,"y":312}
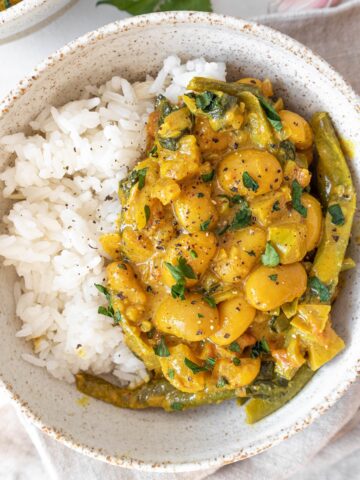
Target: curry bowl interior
{"x":211,"y":435}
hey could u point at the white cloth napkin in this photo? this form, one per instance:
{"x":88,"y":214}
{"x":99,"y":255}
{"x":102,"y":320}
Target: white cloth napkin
{"x":327,"y":450}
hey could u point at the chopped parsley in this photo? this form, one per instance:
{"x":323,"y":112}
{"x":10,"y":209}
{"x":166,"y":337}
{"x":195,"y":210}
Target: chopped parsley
{"x":234,"y":200}
{"x":288,"y":149}
{"x":270,"y":258}
{"x":193,"y":254}
{"x":271,"y":113}
{"x":194,"y":367}
{"x":205,"y":225}
{"x":141,"y":178}
{"x":213,"y":105}
{"x":273,"y":277}
{"x":169,"y":143}
{"x":234,"y":347}
{"x":161,"y":349}
{"x":296,"y":192}
{"x":109,"y":310}
{"x":180,"y":272}
{"x":249,"y":182}
{"x":210,"y":301}
{"x":171,"y":373}
{"x":207,"y":177}
{"x":319,"y":289}
{"x":236,"y":361}
{"x":210,"y":363}
{"x":241,"y":219}
{"x":337,"y":216}
{"x":261,"y":346}
{"x":200,"y":315}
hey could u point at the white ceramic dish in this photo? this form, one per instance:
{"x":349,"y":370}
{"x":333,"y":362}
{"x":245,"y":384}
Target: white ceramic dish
{"x":212,"y":436}
{"x":26,"y":14}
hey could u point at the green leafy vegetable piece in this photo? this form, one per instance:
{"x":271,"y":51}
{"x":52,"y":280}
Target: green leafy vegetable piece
{"x":273,"y":277}
{"x":139,"y":7}
{"x":270,"y":258}
{"x":242,"y":218}
{"x":249,"y":182}
{"x":213,"y":105}
{"x":210,"y":301}
{"x":236,"y":361}
{"x":105,"y":311}
{"x":261,"y":346}
{"x":180,"y":272}
{"x":194,"y":367}
{"x":117,"y":317}
{"x":337,"y":216}
{"x":271,"y":113}
{"x":171,"y":374}
{"x":288,"y":150}
{"x":193,"y":254}
{"x":234,"y":347}
{"x":296,"y":192}
{"x":210,"y":363}
{"x":205,"y":225}
{"x":319,"y":289}
{"x":169,"y":143}
{"x":161,"y":349}
{"x":141,"y":178}
{"x":207,"y":177}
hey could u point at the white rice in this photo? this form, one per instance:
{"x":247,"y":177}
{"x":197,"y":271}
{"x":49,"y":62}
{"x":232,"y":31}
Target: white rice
{"x":66,"y":176}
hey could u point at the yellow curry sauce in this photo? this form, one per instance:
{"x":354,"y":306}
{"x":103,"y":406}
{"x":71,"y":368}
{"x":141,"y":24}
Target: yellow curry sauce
{"x":225,"y":263}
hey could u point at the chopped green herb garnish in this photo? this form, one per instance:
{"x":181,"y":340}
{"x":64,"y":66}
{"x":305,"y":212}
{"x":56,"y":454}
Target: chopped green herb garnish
{"x":169,"y":143}
{"x":194,"y":367}
{"x":234,"y":200}
{"x":296,"y":192}
{"x":241,"y":219}
{"x":153,"y":152}
{"x":234,"y":347}
{"x":141,"y":177}
{"x":319,"y":289}
{"x":270,"y":258}
{"x":147,"y":213}
{"x":210,"y":301}
{"x":180,"y":272}
{"x":193,"y":254}
{"x":222,"y":381}
{"x":177,"y":406}
{"x":273,"y":277}
{"x":200,"y":315}
{"x":260,"y":347}
{"x":205,"y":225}
{"x":207,"y":177}
{"x":288,"y":149}
{"x":105,"y":311}
{"x":236,"y":361}
{"x":271,"y":113}
{"x":249,"y":182}
{"x":337,"y":216}
{"x":161,"y":349}
{"x":276,"y":206}
{"x":103,"y":290}
{"x":213,"y":105}
{"x":171,"y":374}
{"x":210,"y":363}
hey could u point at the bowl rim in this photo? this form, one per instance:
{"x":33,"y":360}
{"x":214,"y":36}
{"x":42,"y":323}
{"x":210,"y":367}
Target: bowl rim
{"x":22,"y":8}
{"x":275,"y":38}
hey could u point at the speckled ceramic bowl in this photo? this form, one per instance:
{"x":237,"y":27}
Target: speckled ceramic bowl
{"x":26,"y":14}
{"x":211,"y":436}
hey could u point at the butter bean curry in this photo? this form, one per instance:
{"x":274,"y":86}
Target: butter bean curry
{"x":227,"y":252}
